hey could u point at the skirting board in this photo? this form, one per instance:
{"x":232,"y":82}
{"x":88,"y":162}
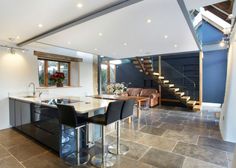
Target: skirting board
{"x":206,"y":104}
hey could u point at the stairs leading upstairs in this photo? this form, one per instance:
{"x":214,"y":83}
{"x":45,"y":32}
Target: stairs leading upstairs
{"x":145,"y":65}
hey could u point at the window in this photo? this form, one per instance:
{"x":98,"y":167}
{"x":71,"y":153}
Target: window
{"x":108,"y":75}
{"x":46,"y":68}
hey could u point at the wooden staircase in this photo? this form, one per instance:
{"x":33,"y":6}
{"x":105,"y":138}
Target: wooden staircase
{"x":145,"y":65}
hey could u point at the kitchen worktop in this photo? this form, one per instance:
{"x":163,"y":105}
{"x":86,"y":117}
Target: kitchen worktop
{"x":81,"y":104}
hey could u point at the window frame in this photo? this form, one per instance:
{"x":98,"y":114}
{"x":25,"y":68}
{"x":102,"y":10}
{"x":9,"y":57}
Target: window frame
{"x":59,"y":68}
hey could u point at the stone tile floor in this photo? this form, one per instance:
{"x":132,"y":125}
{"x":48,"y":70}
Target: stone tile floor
{"x":162,"y":138}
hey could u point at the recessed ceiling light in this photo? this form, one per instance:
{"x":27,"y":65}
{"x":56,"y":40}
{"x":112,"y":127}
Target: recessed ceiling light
{"x":165,"y":36}
{"x":40,"y":25}
{"x":100,"y":34}
{"x":95,"y":49}
{"x":17,"y":37}
{"x":80,"y":5}
{"x":69,"y":42}
{"x":101,"y":56}
{"x":125,"y":44}
{"x":149,"y":20}
{"x":175,"y":45}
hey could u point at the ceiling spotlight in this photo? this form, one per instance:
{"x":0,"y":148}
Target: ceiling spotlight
{"x":95,"y":49}
{"x":40,"y":25}
{"x":17,"y":37}
{"x":125,"y":44}
{"x":175,"y":45}
{"x":149,"y":20}
{"x":165,"y":36}
{"x":69,"y":42}
{"x":23,"y":51}
{"x":80,"y":5}
{"x":100,"y":34}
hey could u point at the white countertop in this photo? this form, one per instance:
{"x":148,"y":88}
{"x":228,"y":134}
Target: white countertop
{"x":84,"y":104}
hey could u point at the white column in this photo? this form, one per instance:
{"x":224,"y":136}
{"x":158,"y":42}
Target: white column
{"x":234,"y":161}
{"x":228,"y":115}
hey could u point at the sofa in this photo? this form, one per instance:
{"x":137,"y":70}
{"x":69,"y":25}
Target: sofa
{"x":151,"y":93}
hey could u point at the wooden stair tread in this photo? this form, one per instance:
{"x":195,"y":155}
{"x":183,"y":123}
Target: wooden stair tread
{"x":175,"y":89}
{"x":156,"y":73}
{"x":166,"y":81}
{"x":180,"y":93}
{"x":191,"y":103}
{"x":186,"y":98}
{"x":171,"y":85}
{"x":147,"y":61}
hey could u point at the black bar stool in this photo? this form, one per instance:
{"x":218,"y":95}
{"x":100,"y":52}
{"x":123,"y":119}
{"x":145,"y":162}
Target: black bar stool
{"x":127,"y":111}
{"x":71,"y":121}
{"x":112,"y":115}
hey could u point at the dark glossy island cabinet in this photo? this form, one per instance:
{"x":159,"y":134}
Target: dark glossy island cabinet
{"x":37,"y":121}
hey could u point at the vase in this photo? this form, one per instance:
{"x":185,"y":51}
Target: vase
{"x":59,"y":84}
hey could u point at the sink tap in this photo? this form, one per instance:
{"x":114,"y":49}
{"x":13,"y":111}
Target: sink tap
{"x":34,"y":89}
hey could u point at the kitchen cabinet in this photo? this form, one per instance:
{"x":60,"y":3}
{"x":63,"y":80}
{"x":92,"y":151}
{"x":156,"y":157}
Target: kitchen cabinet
{"x":12,"y":112}
{"x":37,"y":121}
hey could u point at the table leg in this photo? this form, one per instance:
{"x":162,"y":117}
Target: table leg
{"x":138,"y":109}
{"x":129,"y":120}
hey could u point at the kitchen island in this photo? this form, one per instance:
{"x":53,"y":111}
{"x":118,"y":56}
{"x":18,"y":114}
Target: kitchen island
{"x":39,"y":119}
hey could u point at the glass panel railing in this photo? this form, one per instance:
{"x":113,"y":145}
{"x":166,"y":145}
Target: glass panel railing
{"x":180,"y":80}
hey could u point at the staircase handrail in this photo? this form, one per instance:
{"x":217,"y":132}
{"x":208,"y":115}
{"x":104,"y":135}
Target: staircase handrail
{"x":184,"y":76}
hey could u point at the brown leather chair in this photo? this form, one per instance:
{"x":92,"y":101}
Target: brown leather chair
{"x":153,"y":96}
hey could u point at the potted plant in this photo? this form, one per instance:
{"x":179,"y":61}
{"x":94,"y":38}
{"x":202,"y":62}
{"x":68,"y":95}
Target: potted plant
{"x":117,"y":88}
{"x":58,"y":78}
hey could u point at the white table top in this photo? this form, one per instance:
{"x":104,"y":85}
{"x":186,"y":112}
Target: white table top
{"x":84,"y":104}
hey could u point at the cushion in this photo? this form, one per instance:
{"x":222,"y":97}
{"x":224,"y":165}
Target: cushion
{"x":134,"y":91}
{"x":147,"y":92}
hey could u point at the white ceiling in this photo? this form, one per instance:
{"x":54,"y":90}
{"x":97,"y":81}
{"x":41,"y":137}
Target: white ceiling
{"x":21,"y":17}
{"x":127,"y":25}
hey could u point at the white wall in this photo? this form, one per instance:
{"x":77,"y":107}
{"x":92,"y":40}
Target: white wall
{"x":228,"y":115}
{"x":17,"y":71}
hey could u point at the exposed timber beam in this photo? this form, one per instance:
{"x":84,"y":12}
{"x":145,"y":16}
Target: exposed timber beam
{"x":92,"y":15}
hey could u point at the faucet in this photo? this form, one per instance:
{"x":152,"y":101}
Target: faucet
{"x":34,"y":89}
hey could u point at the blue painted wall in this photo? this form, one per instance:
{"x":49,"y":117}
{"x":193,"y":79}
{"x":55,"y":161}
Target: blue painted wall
{"x":208,"y":34}
{"x":214,"y":65}
{"x":128,"y":73}
{"x":214,"y":76}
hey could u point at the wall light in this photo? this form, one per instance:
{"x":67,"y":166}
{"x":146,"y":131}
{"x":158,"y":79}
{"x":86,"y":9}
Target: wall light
{"x":222,"y":43}
{"x":13,"y":50}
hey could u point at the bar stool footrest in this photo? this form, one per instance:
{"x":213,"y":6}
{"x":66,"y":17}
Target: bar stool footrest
{"x":110,"y":160}
{"x":124,"y":149}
